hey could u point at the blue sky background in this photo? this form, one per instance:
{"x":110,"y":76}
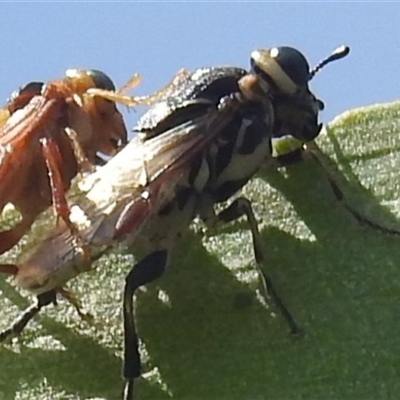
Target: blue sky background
{"x":40,"y":41}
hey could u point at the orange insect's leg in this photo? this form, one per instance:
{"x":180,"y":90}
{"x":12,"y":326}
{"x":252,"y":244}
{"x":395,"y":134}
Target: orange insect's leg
{"x":83,"y":163}
{"x":53,"y":161}
{"x":74,"y":301}
{"x":11,"y":237}
{"x":61,"y":209}
{"x":11,"y":269}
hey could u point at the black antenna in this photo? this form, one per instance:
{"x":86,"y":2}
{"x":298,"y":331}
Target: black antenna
{"x":337,"y":54}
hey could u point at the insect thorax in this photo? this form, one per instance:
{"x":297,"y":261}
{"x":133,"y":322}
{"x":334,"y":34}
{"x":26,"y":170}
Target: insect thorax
{"x":224,"y":168}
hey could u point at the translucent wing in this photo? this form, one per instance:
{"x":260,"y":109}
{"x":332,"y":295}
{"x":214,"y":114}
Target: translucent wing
{"x":135,"y":184}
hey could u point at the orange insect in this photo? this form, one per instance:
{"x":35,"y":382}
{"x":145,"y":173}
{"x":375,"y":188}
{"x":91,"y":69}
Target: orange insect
{"x":48,"y":133}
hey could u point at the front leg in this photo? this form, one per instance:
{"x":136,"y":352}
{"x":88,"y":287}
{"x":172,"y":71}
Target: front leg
{"x":294,"y":152}
{"x":242,"y":206}
{"x":311,"y":150}
{"x":10,"y":237}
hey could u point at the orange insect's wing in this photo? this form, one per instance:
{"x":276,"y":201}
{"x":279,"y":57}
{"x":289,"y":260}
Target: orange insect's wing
{"x":19,"y":139}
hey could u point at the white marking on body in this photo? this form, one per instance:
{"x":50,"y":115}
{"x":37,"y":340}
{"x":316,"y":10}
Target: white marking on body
{"x":79,"y":217}
{"x":244,"y":165}
{"x":77,"y":100}
{"x":242,"y":132}
{"x":202,"y":176}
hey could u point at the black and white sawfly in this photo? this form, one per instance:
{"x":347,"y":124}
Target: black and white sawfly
{"x":205,"y":138}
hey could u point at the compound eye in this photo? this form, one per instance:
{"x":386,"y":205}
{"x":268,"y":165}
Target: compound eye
{"x":321,"y":105}
{"x":101,"y":80}
{"x":27,"y":91}
{"x":21,"y":97}
{"x":31,"y":88}
{"x":293,"y":63}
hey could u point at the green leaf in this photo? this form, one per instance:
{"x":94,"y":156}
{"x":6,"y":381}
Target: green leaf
{"x":206,"y":335}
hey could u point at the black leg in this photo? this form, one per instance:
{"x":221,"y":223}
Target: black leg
{"x":20,"y":323}
{"x":317,"y":155}
{"x":242,"y":206}
{"x":147,"y":270}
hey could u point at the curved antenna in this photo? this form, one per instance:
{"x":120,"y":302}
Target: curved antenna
{"x":337,"y":54}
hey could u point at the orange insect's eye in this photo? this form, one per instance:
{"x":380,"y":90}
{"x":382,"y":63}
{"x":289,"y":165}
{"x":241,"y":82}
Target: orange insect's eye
{"x":101,"y":80}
